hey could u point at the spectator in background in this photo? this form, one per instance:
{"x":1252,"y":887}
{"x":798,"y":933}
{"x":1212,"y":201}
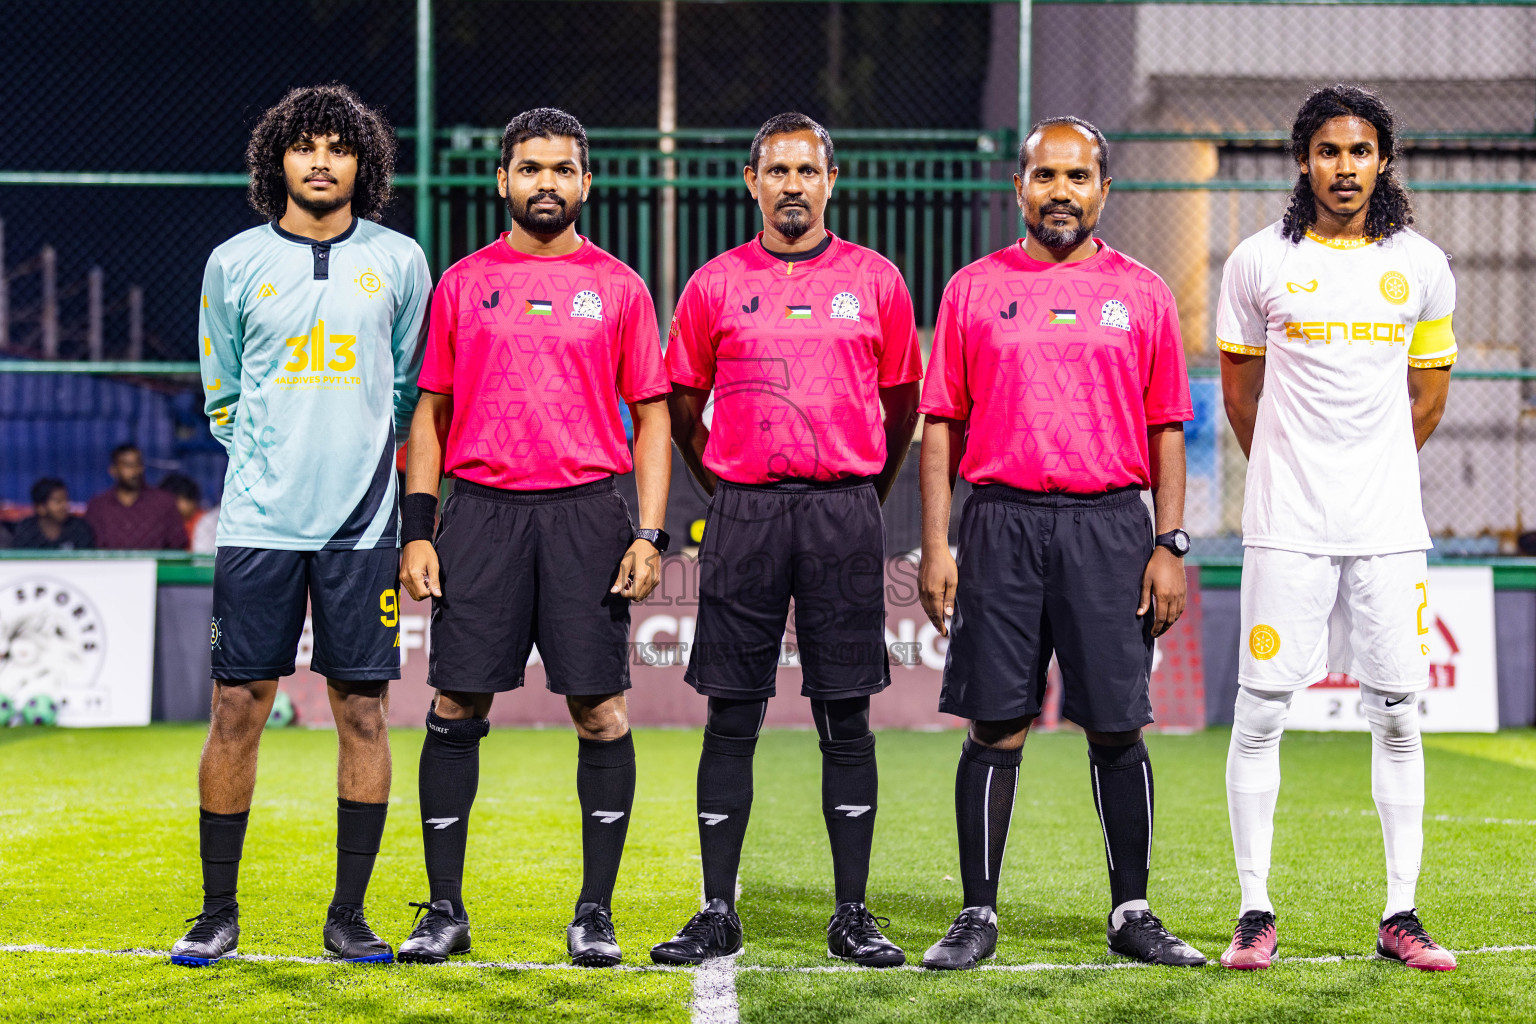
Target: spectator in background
{"x":53,"y":528}
{"x":130,"y":516}
{"x":201,"y":524}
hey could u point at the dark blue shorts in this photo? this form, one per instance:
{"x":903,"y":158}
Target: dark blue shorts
{"x":260,"y":596}
{"x":1044,"y":574}
{"x":821,"y":543}
{"x":521,"y":568}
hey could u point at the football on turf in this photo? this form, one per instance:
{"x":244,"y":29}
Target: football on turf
{"x":40,"y":710}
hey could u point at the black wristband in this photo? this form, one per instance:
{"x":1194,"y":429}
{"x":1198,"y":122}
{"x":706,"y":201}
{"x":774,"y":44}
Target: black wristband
{"x":418,"y":517}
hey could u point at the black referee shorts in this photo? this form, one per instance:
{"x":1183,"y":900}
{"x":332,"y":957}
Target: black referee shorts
{"x":821,"y":543}
{"x":1051,"y":573}
{"x":521,"y":568}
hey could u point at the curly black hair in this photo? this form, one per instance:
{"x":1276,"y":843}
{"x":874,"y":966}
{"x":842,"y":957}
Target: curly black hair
{"x":543,"y":123}
{"x":1390,"y":209}
{"x":321,"y":110}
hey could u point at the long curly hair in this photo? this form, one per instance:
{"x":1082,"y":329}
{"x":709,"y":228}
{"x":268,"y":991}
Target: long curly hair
{"x":321,"y":110}
{"x":1391,"y":208}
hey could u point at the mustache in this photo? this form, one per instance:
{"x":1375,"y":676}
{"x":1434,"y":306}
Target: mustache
{"x":1072,"y":208}
{"x":1340,"y":186}
{"x":789,"y":202}
{"x":540,"y":196}
{"x":324,"y":175}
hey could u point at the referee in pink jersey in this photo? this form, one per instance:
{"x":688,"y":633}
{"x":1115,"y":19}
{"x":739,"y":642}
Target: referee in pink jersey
{"x":808,"y":345}
{"x":533,"y":342}
{"x":1057,"y":388}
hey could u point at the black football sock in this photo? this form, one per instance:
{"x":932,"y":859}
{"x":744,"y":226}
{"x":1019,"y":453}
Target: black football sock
{"x":605,"y":785}
{"x":221,"y":838}
{"x":359,"y":828}
{"x":850,"y":784}
{"x":985,"y":784}
{"x":725,"y":791}
{"x":1122,"y":792}
{"x":449,"y":777}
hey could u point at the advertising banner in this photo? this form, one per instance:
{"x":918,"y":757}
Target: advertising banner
{"x":662,"y":633}
{"x":1456,"y":627}
{"x":77,"y":640}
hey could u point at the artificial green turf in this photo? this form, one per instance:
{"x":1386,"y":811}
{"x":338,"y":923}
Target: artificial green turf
{"x":98,"y":849}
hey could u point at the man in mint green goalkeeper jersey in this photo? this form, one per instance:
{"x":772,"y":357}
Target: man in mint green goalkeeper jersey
{"x":311,"y":334}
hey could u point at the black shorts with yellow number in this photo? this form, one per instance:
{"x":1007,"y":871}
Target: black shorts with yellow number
{"x":821,"y":543}
{"x":521,"y":568}
{"x":259,"y":599}
{"x":1043,"y":574}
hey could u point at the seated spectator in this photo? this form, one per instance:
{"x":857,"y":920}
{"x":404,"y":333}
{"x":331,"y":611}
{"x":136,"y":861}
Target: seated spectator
{"x":53,"y":528}
{"x":130,"y":516}
{"x":199,"y":522}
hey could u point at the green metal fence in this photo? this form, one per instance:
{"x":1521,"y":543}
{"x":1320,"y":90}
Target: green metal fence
{"x":120,"y":155}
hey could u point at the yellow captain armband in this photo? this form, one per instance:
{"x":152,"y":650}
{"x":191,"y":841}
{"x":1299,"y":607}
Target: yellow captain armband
{"x":1434,"y":344}
{"x":1240,"y":350}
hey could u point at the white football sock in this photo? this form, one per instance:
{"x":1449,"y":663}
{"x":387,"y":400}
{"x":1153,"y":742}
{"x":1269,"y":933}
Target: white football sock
{"x":1253,"y":785}
{"x":1397,"y":784}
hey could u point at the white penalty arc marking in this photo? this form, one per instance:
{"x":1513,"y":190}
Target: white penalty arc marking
{"x":725,"y":968}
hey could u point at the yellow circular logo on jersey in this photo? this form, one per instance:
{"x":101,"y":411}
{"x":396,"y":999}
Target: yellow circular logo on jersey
{"x":1394,"y":287}
{"x":1263,"y":642}
{"x":370,"y":282}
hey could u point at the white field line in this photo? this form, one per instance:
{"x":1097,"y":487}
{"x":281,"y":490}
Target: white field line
{"x":1455,"y":819}
{"x":714,"y":981}
{"x":714,"y":992}
{"x":724,"y":966}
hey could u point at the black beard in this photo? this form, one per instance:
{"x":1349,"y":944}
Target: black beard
{"x":792,"y":221}
{"x":1057,"y":239}
{"x":319,"y":207}
{"x":541,"y":223}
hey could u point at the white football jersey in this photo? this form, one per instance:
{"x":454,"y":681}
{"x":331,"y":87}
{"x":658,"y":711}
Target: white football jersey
{"x":1334,"y":469}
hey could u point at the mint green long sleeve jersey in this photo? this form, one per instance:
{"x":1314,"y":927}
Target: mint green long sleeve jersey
{"x":310,"y":353}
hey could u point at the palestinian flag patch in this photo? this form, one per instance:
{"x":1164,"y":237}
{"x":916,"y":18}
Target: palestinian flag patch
{"x":797,"y":312}
{"x":1063,"y":316}
{"x":538,"y":307}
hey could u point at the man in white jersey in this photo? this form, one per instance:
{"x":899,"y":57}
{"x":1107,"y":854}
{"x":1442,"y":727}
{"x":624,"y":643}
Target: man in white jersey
{"x":1335,"y":332}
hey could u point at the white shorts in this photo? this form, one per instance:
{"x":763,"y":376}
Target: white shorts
{"x":1304,"y":616}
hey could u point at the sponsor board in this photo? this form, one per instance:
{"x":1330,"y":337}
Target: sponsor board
{"x":662,"y":634}
{"x":79,"y":633}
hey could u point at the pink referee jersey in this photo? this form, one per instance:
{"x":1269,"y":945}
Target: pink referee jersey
{"x":537,"y":351}
{"x":796,"y":354}
{"x":1059,"y":368}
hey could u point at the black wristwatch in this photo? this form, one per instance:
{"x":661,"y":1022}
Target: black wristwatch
{"x":659,"y":538}
{"x":1176,"y":541}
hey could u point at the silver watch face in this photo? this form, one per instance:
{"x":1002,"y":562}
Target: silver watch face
{"x":1180,"y":541}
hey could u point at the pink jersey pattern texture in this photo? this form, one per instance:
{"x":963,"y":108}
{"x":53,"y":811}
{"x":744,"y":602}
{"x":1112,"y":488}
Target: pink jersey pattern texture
{"x":537,"y":351}
{"x":796,"y":354}
{"x":1059,"y":368}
